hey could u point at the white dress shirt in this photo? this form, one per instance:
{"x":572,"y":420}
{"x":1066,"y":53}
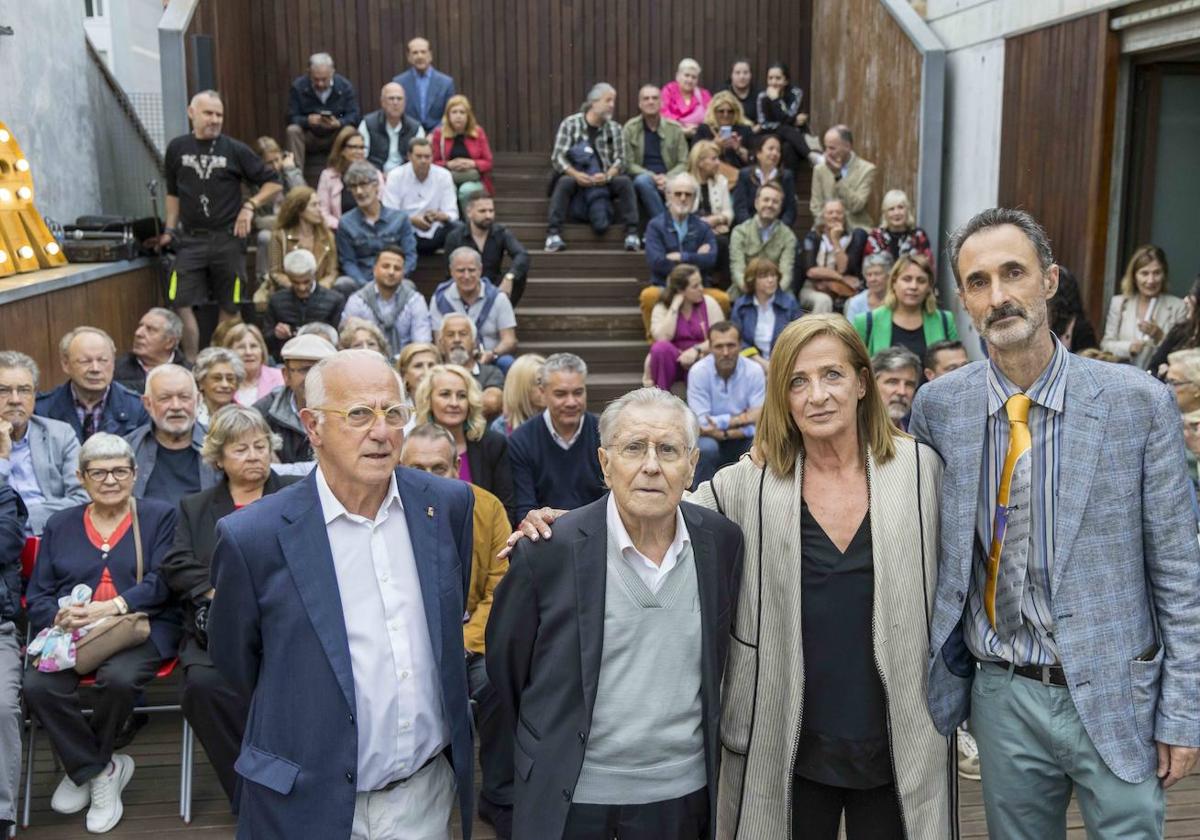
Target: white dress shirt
{"x":652,"y":574}
{"x":764,"y":327}
{"x":563,"y":443}
{"x":437,"y":192}
{"x":398,"y":698}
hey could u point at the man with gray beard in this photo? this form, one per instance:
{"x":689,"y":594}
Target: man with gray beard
{"x":897,"y":373}
{"x":457,"y":342}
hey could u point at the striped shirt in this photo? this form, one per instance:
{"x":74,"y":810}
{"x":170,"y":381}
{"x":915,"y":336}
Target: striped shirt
{"x":1033,"y":643}
{"x":610,"y":143}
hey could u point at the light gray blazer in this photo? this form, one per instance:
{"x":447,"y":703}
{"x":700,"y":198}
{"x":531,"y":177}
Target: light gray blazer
{"x":55,"y":450}
{"x":1126,"y":569}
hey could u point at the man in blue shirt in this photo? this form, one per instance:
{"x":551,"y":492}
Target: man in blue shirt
{"x":365,"y":230}
{"x":726,"y":391}
{"x":427,"y":88}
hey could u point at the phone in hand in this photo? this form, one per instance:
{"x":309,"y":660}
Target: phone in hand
{"x":326,"y":113}
{"x":726,"y":132}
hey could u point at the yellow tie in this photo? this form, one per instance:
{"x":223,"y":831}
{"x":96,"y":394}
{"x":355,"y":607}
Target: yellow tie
{"x":1019,"y":442}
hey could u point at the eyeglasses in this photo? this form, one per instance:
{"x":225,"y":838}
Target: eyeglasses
{"x":100,"y":476}
{"x":362,"y":416}
{"x":682,"y":193}
{"x":722,"y":110}
{"x":636,"y":451}
{"x":7,"y":391}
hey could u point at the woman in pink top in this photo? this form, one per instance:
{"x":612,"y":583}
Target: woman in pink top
{"x":683,"y":100}
{"x":348,"y":147}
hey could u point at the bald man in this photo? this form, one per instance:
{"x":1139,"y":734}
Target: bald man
{"x":388,"y":131}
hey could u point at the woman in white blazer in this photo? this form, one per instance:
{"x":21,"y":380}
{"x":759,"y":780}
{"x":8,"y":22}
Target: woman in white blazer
{"x":1143,"y":313}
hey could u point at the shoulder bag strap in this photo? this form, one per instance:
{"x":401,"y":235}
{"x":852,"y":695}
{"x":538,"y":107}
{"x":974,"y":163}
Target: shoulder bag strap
{"x":137,"y":537}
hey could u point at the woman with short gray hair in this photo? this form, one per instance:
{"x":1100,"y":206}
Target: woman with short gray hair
{"x":114,"y":547}
{"x":219,"y":373}
{"x":239,"y":444}
{"x":875,"y":270}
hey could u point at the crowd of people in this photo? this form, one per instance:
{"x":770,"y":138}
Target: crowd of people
{"x":627,"y":677}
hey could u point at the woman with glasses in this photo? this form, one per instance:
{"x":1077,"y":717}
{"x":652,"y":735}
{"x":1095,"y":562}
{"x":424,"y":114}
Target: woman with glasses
{"x":726,"y":125}
{"x":238,"y":445}
{"x":114,"y":546}
{"x":450,"y":397}
{"x":219,"y":373}
{"x":348,"y":148}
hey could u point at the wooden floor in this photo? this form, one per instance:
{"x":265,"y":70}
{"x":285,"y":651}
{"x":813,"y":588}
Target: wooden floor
{"x":152,"y":798}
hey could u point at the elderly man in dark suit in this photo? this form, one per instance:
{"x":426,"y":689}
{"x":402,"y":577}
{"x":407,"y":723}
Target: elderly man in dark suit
{"x":89,"y":401}
{"x":607,"y":644}
{"x":338,"y":612}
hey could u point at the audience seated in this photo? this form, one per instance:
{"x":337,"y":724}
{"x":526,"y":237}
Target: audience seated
{"x":300,"y":226}
{"x":765,"y":169}
{"x":897,"y":375}
{"x":361,"y":334}
{"x":554,"y":460}
{"x":348,"y":149}
{"x":461,"y":146}
{"x":741,"y":85}
{"x":522,"y":397}
{"x":426,"y":88}
{"x":301,"y":301}
{"x":898,"y":233}
{"x":590,"y":163}
{"x":492,"y":241}
{"x":265,"y":216}
{"x":391,"y":302}
{"x":725,"y":124}
{"x":12,"y":718}
{"x":431,"y":448}
{"x":831,"y":258}
{"x":778,"y":112}
{"x":458,"y":345}
{"x":909,"y":316}
{"x":416,"y":360}
{"x":845,"y":176}
{"x":942,"y":357}
{"x":475,"y":296}
{"x":657,"y":150}
{"x":875,"y":270}
{"x":679,"y":328}
{"x":725,"y":391}
{"x":38,"y":455}
{"x":115,"y":546}
{"x":1070,"y":322}
{"x":368,"y":228}
{"x":281,"y":408}
{"x":388,"y":131}
{"x":764,"y":310}
{"x":155,"y":342}
{"x":450,"y":397}
{"x":425,"y":193}
{"x":319,"y":104}
{"x":684,"y":101}
{"x":714,"y":204}
{"x":219,"y":374}
{"x":763,"y":235}
{"x":238,"y":446}
{"x":167,"y":449}
{"x":1142,"y":314}
{"x":246,"y":340}
{"x":89,"y":401}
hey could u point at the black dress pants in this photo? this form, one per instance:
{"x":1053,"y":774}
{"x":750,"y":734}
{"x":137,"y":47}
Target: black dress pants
{"x":86,"y":746}
{"x":620,"y":192}
{"x":685,"y":818}
{"x":432,"y":244}
{"x":218,"y":714}
{"x":870,"y":814}
{"x":495,"y":736}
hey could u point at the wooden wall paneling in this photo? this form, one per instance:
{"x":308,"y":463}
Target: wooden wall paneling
{"x":15,"y":319}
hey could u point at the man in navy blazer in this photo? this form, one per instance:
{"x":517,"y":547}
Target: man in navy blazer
{"x":338,"y":613}
{"x":667,"y":247}
{"x":320,"y":103}
{"x":426,"y":88}
{"x":90,"y":401}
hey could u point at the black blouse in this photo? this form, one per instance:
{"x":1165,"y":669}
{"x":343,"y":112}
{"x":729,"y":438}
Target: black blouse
{"x":844,"y":734}
{"x":730,"y":156}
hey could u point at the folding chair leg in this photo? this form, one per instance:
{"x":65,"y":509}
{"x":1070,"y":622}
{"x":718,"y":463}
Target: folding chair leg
{"x":187,"y":763}
{"x":29,"y":773}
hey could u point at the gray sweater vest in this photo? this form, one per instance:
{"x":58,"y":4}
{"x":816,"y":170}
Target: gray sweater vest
{"x":647,"y":741}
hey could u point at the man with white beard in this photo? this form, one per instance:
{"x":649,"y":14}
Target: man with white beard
{"x":897,"y":371}
{"x":458,"y":343}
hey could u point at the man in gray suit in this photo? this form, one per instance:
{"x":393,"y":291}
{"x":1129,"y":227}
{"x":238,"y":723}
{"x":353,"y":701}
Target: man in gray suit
{"x":1067,"y":615}
{"x":38,"y":456}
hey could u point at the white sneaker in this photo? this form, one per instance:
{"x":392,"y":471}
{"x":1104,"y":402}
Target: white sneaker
{"x":70,"y":798}
{"x":968,"y":756}
{"x":107,"y":808}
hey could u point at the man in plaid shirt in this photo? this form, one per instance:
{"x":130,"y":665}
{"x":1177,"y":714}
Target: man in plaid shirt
{"x":589,"y":153}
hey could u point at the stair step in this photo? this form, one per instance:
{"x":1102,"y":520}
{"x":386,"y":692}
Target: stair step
{"x":569,"y":292}
{"x":532,"y":234}
{"x":603,"y":388}
{"x":602,"y":355}
{"x":550,"y":325}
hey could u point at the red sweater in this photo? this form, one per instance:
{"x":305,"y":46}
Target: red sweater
{"x":477,"y":147}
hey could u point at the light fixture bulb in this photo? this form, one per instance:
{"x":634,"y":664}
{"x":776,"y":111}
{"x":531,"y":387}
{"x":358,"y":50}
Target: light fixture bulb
{"x":25,"y":252}
{"x":4,"y":136}
{"x":24,"y":193}
{"x":52,"y":248}
{"x":3,"y":257}
{"x":22,"y":165}
{"x":5,"y":195}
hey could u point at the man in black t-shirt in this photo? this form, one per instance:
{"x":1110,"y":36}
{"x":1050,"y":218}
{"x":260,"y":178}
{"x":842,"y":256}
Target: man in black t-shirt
{"x":207,"y":217}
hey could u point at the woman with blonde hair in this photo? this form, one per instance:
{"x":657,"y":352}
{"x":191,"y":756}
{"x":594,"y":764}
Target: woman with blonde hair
{"x":414,"y":362}
{"x":450,"y":397}
{"x":898,"y":233}
{"x":1142,"y":314}
{"x":910,"y":316}
{"x":461,"y":145}
{"x":261,"y":379}
{"x":823,"y":700}
{"x":348,"y":147}
{"x":522,"y":393}
{"x":726,"y":125}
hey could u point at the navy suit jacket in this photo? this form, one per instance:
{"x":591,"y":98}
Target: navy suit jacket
{"x":123,"y":412}
{"x":663,"y":239}
{"x":441,"y":88}
{"x":278,"y":634}
{"x":342,"y":101}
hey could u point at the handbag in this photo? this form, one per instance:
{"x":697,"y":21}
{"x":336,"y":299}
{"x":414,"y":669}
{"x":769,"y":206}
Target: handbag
{"x":115,"y":633}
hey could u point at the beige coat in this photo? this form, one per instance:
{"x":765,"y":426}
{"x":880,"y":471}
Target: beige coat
{"x":763,"y":687}
{"x":854,"y":190}
{"x":1121,"y":325}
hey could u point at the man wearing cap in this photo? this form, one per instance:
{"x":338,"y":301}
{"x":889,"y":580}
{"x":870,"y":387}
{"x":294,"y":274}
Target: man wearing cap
{"x":282,"y":406}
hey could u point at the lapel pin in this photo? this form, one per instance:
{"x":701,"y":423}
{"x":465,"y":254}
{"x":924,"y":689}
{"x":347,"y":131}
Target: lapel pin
{"x":429,"y":511}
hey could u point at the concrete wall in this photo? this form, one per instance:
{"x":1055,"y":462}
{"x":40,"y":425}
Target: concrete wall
{"x":44,"y":101}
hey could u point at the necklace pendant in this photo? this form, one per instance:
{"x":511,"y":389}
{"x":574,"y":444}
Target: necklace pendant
{"x":104,"y":547}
